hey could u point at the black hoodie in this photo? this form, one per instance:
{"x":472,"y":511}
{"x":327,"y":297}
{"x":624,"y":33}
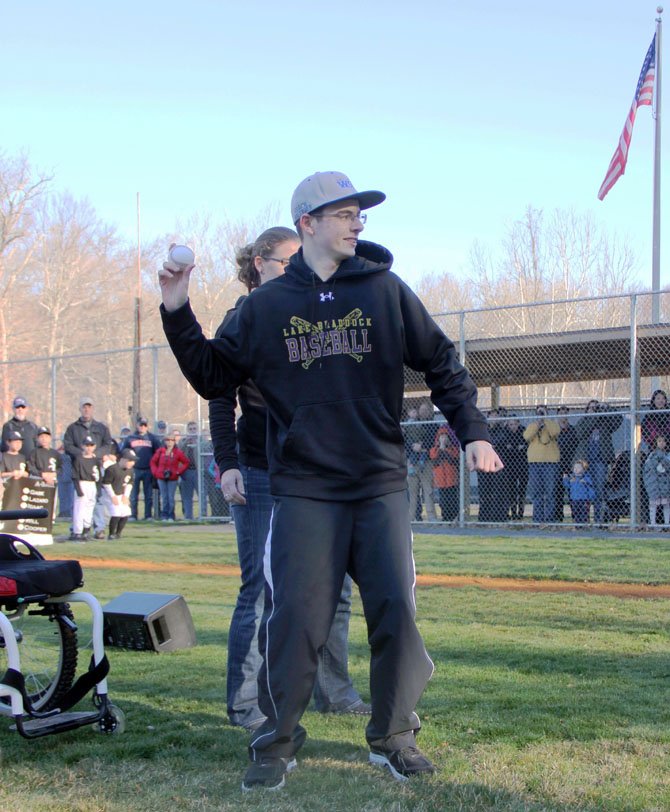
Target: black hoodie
{"x":328,"y":359}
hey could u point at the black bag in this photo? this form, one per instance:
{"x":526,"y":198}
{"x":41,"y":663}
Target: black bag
{"x":32,"y":574}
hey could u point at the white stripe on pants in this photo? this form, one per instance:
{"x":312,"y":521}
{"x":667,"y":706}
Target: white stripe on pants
{"x":82,"y":508}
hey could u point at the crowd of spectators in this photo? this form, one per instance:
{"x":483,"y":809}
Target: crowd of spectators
{"x":560,"y":465}
{"x":164,"y":463}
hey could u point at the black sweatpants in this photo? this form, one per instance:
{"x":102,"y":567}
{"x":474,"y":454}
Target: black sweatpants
{"x":310,"y":546}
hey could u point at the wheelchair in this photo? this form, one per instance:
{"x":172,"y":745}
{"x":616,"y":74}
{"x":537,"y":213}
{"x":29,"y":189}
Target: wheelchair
{"x":39,"y":647}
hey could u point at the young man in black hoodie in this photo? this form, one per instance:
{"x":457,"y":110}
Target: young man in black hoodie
{"x":325,"y":343}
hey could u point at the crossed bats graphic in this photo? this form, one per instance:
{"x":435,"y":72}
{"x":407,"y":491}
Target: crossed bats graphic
{"x":303,"y":324}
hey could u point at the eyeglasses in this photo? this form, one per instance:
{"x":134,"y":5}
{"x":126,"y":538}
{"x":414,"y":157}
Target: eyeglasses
{"x":346,"y":216}
{"x":171,"y":439}
{"x":282,"y":262}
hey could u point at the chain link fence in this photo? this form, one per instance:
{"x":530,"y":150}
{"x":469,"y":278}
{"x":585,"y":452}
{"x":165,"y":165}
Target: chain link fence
{"x":568,"y":387}
{"x":592,"y":365}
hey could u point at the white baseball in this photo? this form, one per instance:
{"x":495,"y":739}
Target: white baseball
{"x":181,"y":255}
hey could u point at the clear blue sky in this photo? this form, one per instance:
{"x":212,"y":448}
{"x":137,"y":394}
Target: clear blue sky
{"x":463,"y":113}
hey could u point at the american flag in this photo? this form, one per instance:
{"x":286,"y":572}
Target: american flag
{"x":643,"y":96}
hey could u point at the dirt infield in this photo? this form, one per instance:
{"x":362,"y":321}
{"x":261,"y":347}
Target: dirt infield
{"x":447,"y":581}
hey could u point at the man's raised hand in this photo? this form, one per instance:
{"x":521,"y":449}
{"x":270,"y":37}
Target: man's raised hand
{"x":173,"y":280}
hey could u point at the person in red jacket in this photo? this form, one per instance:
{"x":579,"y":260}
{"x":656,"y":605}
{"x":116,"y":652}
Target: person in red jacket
{"x":444,"y":454}
{"x":167,"y":465}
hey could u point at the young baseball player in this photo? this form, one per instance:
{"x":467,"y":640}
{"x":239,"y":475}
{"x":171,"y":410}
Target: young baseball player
{"x":117,"y":484}
{"x":44,"y":462}
{"x":13,"y":464}
{"x":86,"y":475}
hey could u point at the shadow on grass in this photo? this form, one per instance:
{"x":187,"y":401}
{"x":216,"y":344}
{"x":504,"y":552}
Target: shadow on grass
{"x":333,"y":774}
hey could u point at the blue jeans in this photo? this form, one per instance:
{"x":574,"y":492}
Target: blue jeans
{"x":580,"y":510}
{"x":333,"y":689}
{"x":598,"y":471}
{"x":187,"y":487}
{"x":142,"y":477}
{"x":542,"y":480}
{"x":100,"y":513}
{"x":167,"y":490}
{"x":65,"y":497}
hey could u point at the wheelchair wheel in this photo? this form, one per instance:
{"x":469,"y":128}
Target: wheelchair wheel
{"x":47,"y":640}
{"x":114,"y":721}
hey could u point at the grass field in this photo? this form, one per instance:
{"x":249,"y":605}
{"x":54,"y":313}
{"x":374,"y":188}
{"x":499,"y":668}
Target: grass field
{"x":538,"y":702}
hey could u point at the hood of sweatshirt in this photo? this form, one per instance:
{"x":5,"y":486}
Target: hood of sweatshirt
{"x":370,"y":258}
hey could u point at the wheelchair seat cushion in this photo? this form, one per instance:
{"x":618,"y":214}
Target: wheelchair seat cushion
{"x":36,"y":577}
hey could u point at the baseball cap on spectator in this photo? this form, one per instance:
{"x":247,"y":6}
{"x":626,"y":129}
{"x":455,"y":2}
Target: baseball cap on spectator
{"x":323,"y":188}
{"x":88,"y":440}
{"x":125,"y":430}
{"x":43,"y":430}
{"x":14,"y":435}
{"x":84,"y":401}
{"x":142,"y":421}
{"x":128,"y":454}
{"x":19,"y":401}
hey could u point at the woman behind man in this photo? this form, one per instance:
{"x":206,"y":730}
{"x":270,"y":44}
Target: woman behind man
{"x":242,"y":460}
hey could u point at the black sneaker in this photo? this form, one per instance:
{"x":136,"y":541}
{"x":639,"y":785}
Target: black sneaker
{"x":268,"y":773}
{"x":404,"y":763}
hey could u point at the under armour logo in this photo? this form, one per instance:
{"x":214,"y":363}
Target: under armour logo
{"x":327,"y":297}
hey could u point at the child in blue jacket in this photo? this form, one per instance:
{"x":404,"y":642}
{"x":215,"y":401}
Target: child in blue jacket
{"x":580,"y":491}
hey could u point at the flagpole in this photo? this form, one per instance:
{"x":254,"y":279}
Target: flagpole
{"x":656,"y":238}
{"x":137,"y":358}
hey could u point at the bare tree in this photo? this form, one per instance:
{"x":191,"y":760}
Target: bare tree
{"x":442,"y":293}
{"x":76,"y":267}
{"x":554,"y":260}
{"x":20,"y":189}
{"x":78,"y":273}
{"x":570,"y":257}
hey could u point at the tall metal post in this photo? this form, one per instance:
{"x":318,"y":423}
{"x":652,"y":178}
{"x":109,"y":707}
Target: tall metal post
{"x":634,"y":413}
{"x":154,"y":353}
{"x":53,"y":396}
{"x":463,"y":473}
{"x":656,"y":236}
{"x":137,"y":357}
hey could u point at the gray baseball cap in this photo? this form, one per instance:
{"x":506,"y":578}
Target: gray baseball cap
{"x":323,"y":188}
